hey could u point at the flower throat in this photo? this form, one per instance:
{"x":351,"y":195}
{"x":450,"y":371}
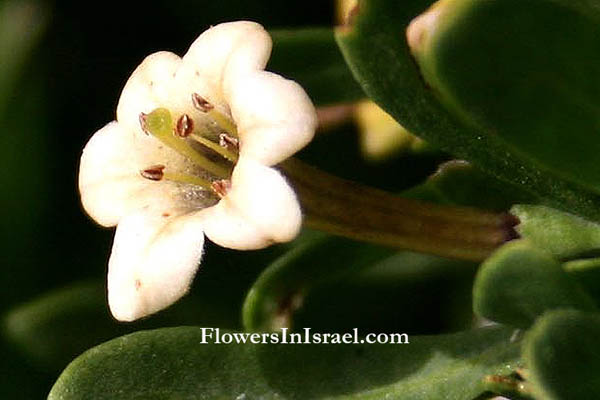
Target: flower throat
{"x":182,"y":135}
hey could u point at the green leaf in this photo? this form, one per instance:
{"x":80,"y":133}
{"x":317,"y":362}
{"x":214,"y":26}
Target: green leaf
{"x":316,"y":284}
{"x":312,"y":58}
{"x":459,"y":182}
{"x":562,"y":354}
{"x":281,"y":288}
{"x":522,"y":70}
{"x":392,"y":295}
{"x":518,"y":283}
{"x":587,"y":273}
{"x":562,"y":234}
{"x":174,"y":363}
{"x":377,"y":53}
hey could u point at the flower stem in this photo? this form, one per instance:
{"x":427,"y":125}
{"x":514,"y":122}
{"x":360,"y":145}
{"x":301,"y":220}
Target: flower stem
{"x":359,"y":212}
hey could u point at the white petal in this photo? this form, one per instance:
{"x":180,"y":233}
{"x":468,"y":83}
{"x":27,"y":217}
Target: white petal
{"x":161,"y":80}
{"x":226,"y":49}
{"x":152,"y":264}
{"x":110,"y":183}
{"x":260,"y":209}
{"x":150,"y":86}
{"x":274,"y":116}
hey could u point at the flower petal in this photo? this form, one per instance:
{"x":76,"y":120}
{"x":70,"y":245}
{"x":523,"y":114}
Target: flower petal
{"x":110,"y":183}
{"x":150,"y":86}
{"x":259,"y":209}
{"x":226,"y":49}
{"x":275,"y":117}
{"x":152,"y":264}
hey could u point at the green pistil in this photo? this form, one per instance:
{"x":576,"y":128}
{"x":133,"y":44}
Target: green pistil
{"x":159,"y":123}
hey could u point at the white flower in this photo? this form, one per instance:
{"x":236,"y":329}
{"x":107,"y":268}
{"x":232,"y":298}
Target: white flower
{"x":190,"y":155}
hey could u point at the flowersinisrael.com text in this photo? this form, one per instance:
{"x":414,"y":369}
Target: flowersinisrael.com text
{"x":214,"y":335}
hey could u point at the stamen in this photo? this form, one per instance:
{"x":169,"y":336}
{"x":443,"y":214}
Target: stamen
{"x":224,"y":122}
{"x":143,"y":122}
{"x":221,"y":187}
{"x":226,"y":153}
{"x":184,"y":126}
{"x":160,"y":125}
{"x":154,"y":173}
{"x":229,"y":142}
{"x":200,"y":103}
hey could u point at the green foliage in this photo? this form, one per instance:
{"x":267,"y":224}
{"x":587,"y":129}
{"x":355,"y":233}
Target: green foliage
{"x":562,"y":234}
{"x":377,"y":52}
{"x":563,"y":356}
{"x":459,"y":182}
{"x":539,"y":95}
{"x":314,"y":285}
{"x":280,"y":289}
{"x":518,"y":283}
{"x":174,"y":363}
{"x":509,"y":86}
{"x":587,"y":273}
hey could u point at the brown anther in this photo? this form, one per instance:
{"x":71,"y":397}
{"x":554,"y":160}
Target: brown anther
{"x":221,"y":187}
{"x":142,"y":118}
{"x":184,"y":126}
{"x":138,"y":284}
{"x":154,"y":173}
{"x":200,"y":103}
{"x":228,"y":142}
{"x":166,"y":215}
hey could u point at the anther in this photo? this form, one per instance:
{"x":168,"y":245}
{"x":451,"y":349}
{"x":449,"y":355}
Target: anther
{"x":228,"y":142}
{"x":184,"y":126}
{"x":221,"y":187}
{"x":154,"y":173}
{"x":200,"y":103}
{"x":143,"y":122}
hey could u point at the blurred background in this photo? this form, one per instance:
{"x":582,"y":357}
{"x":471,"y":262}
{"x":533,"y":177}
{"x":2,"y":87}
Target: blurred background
{"x":62,"y":68}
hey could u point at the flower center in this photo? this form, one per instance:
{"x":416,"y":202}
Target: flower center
{"x":215,"y":158}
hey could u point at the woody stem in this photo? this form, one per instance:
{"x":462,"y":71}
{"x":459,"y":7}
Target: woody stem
{"x":345,"y":208}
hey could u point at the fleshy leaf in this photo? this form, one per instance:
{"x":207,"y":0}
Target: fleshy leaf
{"x":460,"y":182}
{"x":562,"y":355}
{"x":175,"y":363}
{"x":522,"y":72}
{"x":377,"y":52}
{"x":316,"y":284}
{"x":519,"y":282}
{"x":281,"y":288}
{"x":562,"y":234}
{"x":587,"y":273}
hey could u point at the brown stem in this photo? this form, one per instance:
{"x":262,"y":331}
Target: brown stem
{"x":349,"y":209}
